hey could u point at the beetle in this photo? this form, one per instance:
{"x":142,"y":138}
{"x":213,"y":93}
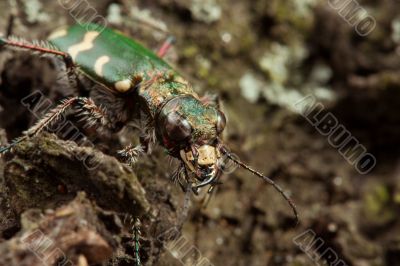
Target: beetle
{"x":133,"y":83}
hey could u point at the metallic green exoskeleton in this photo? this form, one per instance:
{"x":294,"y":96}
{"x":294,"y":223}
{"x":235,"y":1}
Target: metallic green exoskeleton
{"x":107,"y":56}
{"x":131,"y":80}
{"x":183,"y":123}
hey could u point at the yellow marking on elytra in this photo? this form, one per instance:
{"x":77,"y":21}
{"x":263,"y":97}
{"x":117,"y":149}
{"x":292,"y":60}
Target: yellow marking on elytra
{"x":123,"y":85}
{"x":99,"y":64}
{"x":58,"y":34}
{"x":85,"y":45}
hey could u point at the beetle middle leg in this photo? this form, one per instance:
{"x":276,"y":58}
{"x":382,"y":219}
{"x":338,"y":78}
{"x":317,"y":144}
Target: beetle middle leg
{"x":93,"y":115}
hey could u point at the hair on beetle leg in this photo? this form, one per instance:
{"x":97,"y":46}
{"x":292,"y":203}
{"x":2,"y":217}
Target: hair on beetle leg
{"x":131,"y":154}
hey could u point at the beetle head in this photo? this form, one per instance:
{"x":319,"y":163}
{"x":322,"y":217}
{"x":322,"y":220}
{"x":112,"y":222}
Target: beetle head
{"x":189,"y":130}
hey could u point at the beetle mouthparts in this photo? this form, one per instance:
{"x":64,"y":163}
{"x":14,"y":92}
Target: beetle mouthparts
{"x":208,"y":181}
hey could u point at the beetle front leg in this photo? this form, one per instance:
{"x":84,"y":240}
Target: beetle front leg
{"x":131,"y":154}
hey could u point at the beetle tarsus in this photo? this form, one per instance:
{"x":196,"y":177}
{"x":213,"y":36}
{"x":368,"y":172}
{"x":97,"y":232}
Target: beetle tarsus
{"x":131,"y":154}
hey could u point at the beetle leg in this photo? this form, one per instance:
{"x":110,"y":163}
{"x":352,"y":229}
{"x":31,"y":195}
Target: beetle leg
{"x":137,"y":234}
{"x":178,"y":175}
{"x":131,"y":153}
{"x":94,"y":116}
{"x":211,"y":99}
{"x":166,"y":46}
{"x":52,"y":116}
{"x":10,"y":25}
{"x":44,"y":48}
{"x":13,"y":6}
{"x":146,"y":140}
{"x":186,"y":206}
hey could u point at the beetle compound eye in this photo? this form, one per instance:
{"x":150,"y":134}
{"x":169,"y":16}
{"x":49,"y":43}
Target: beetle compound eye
{"x":177,"y":127}
{"x":221,"y":122}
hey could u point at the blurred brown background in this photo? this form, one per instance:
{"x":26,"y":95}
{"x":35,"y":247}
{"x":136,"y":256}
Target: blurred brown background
{"x":262,"y":57}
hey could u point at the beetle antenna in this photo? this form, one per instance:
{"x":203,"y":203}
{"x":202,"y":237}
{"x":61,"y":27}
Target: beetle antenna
{"x":265,"y":178}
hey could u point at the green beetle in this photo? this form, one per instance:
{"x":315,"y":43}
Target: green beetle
{"x":133,"y":80}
